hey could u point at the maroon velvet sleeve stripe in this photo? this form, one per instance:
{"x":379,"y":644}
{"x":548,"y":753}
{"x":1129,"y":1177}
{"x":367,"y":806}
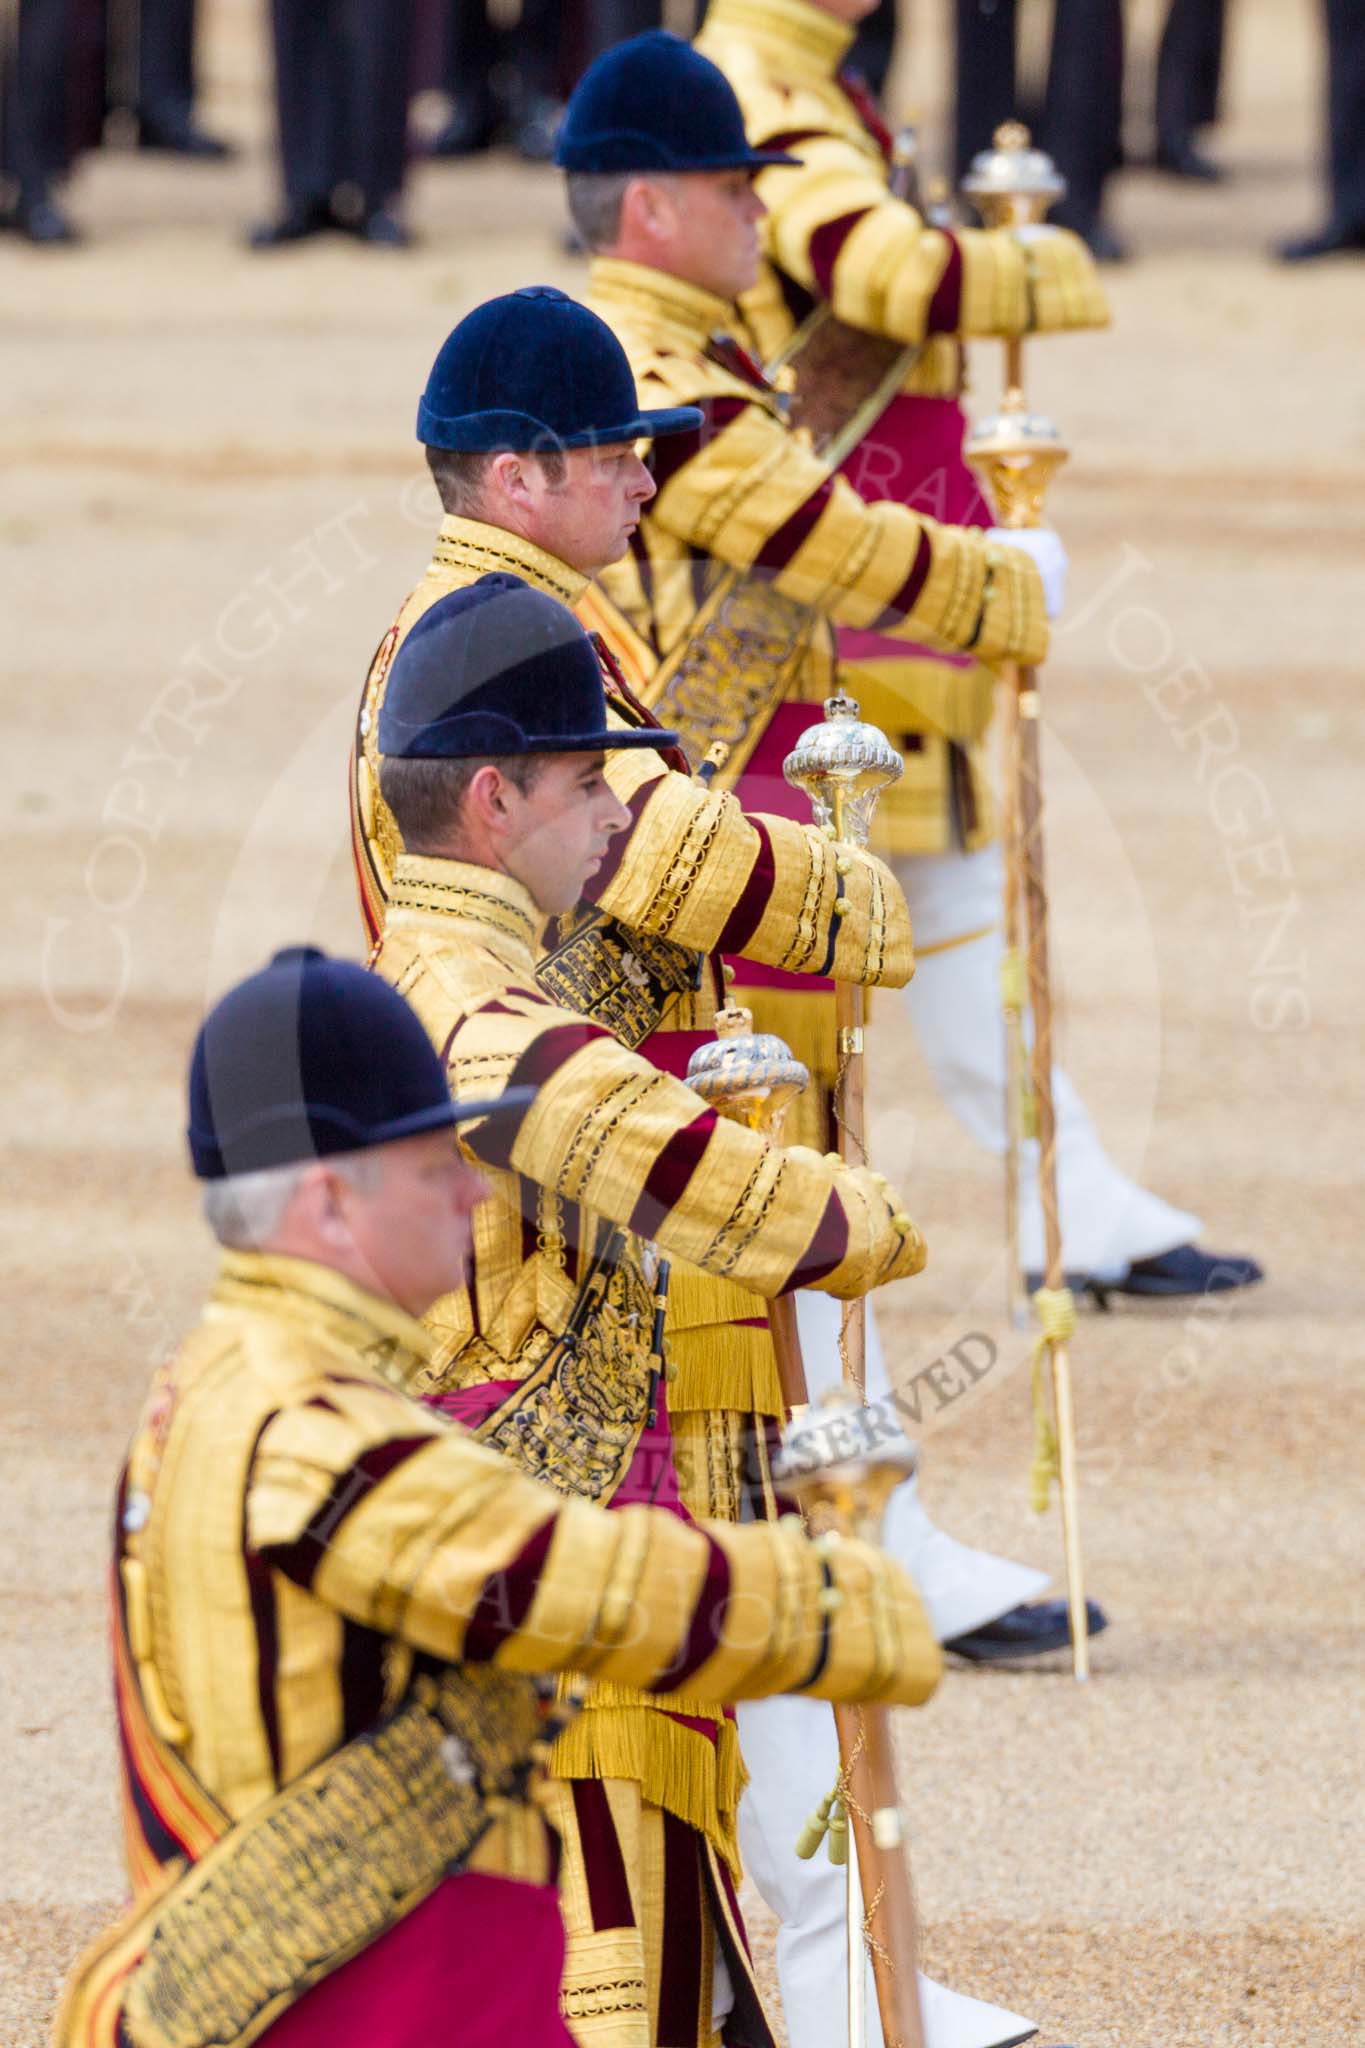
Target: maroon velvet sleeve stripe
{"x":667,"y":1179}
{"x":492,"y":1141}
{"x":945,"y":307}
{"x":778,"y":549}
{"x":301,"y":1559}
{"x":754,"y":898}
{"x":506,"y":1599}
{"x":675,"y":451}
{"x":618,"y":847}
{"x":788,"y":138}
{"x":707,"y":1628}
{"x":906,"y":598}
{"x":825,"y":1250}
{"x":826,"y":245}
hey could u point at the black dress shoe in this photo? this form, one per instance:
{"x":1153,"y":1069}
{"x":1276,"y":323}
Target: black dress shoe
{"x":183,"y":139}
{"x":381,"y":228}
{"x":1178,"y":156}
{"x":1338,"y":238}
{"x":1103,"y":244}
{"x":1184,"y":1270}
{"x":295,"y":224}
{"x":1028,"y":1631}
{"x":38,"y":220}
{"x":1187,"y":1270}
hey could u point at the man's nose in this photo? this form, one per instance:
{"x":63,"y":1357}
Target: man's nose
{"x":614,"y":816}
{"x":642,"y":485}
{"x":470,"y":1189}
{"x":757,"y":209}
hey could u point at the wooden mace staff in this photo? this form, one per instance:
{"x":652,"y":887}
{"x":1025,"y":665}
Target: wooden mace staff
{"x":1018,"y":452}
{"x":752,"y":1077}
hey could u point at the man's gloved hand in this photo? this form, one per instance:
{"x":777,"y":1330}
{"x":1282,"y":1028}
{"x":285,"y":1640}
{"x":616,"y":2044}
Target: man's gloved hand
{"x":1064,"y":289}
{"x":1045,"y":549}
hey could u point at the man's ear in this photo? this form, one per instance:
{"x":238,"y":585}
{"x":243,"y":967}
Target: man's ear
{"x":645,"y":207}
{"x":485,"y":800}
{"x":508,"y":472}
{"x":322,"y":1193}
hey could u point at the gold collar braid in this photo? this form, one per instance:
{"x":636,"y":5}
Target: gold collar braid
{"x":326,"y":1305}
{"x":494,"y":908}
{"x":469,"y":544}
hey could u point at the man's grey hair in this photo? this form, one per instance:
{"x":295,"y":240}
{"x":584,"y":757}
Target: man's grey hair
{"x":595,"y":199}
{"x":245,"y":1210}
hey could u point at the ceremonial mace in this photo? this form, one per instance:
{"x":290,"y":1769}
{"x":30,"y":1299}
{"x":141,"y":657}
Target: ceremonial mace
{"x":1017,"y":452}
{"x":1013,"y":185}
{"x":752,"y":1077}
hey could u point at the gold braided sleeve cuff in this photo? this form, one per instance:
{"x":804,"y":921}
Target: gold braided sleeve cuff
{"x":1013,"y":612}
{"x":883,"y":1243}
{"x":839,"y":1621}
{"x":875,"y":945}
{"x":1064,"y":289}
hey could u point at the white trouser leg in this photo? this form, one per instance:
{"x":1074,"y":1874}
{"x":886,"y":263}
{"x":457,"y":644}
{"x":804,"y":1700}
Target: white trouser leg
{"x":1108,"y":1221}
{"x":962,"y":1589}
{"x":792,"y":1754}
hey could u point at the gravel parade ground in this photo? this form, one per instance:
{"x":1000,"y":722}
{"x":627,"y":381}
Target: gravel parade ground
{"x":213,"y":507}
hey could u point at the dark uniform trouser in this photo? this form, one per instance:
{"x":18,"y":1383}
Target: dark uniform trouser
{"x":1346,"y":109}
{"x":1083,"y":107}
{"x":342,"y":77}
{"x":165,"y":62}
{"x":1189,"y":68}
{"x":987,"y":84}
{"x":51,"y":60}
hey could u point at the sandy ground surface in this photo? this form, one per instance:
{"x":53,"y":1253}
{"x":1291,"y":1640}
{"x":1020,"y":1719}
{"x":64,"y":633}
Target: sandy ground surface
{"x":212,"y":508}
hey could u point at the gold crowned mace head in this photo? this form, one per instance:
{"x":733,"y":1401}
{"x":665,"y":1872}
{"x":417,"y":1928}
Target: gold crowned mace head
{"x":748,"y":1076}
{"x":1013,"y":184}
{"x":843,"y":765}
{"x":1017,"y":453}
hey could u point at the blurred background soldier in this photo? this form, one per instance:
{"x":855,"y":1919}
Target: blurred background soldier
{"x":1345,"y":226}
{"x":1082,"y":104}
{"x":510,"y":83}
{"x":51,"y":107}
{"x":342,"y":78}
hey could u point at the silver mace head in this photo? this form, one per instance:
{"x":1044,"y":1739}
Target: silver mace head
{"x":842,"y":1460}
{"x":843,"y":765}
{"x":749,"y":1076}
{"x":1013,"y":184}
